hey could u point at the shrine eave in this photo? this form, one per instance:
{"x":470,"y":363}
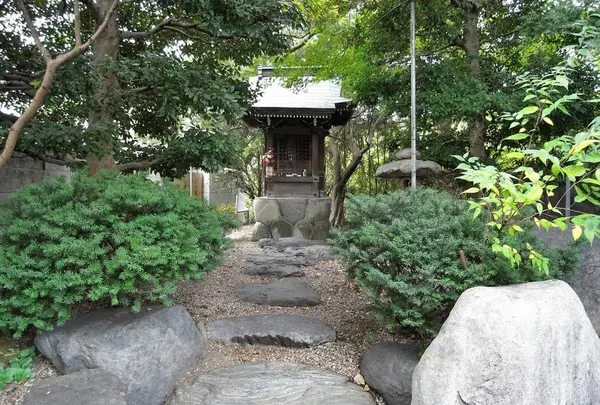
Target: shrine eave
{"x":323,"y":117}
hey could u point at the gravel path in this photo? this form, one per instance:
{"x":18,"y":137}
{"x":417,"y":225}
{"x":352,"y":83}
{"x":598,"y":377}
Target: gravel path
{"x":343,"y":308}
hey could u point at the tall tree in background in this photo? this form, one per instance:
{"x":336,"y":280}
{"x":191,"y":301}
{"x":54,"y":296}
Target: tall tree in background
{"x":468,"y":51}
{"x":123,"y":103}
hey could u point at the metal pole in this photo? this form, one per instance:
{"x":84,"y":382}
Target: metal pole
{"x":191,"y":184}
{"x":568,"y":199}
{"x":413,"y":99}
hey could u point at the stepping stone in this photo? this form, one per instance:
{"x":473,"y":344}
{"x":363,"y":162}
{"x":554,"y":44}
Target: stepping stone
{"x":289,"y":242}
{"x":272,"y":330}
{"x":87,"y":387}
{"x":274,"y":271}
{"x":311,"y":254}
{"x":271,"y":383}
{"x":276,"y":258}
{"x":289,"y":292}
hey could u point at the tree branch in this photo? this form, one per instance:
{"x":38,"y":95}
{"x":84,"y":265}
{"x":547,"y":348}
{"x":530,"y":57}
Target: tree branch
{"x":144,"y":164}
{"x":146,"y":34}
{"x":168,"y":22}
{"x":59,"y":162}
{"x":52,"y":65}
{"x":302,"y":43}
{"x":457,"y":42}
{"x":185,"y":34}
{"x":34,"y":33}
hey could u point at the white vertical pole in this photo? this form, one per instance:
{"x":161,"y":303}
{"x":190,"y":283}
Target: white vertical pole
{"x":413,"y":98}
{"x":191,"y":183}
{"x":568,"y":199}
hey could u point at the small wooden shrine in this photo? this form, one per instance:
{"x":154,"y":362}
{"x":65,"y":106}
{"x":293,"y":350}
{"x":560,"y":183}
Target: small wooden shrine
{"x":295,"y":123}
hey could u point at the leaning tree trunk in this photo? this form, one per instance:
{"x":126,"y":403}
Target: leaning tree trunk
{"x":338,"y":191}
{"x":341,"y":178}
{"x":106,"y":46}
{"x":477,"y":126}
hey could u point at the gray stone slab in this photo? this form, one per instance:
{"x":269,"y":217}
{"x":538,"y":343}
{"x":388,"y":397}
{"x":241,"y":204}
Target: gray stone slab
{"x":272,"y":330}
{"x":271,"y":258}
{"x":271,"y":384}
{"x":87,"y":387}
{"x":274,"y":271}
{"x":288,"y":292}
{"x":292,"y":209}
{"x":388,"y":368}
{"x":283,"y":243}
{"x":148,"y":350}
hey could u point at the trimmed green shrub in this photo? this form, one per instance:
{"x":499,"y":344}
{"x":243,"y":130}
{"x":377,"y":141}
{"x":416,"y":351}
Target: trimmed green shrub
{"x":406,"y":251}
{"x":117,"y":237}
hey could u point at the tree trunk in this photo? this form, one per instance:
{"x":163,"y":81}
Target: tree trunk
{"x":340,"y":179}
{"x":106,"y":46}
{"x":477,"y":126}
{"x":336,"y":217}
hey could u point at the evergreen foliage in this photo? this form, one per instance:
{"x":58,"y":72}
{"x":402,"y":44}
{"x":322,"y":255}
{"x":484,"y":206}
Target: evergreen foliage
{"x":404,"y":248}
{"x":122,"y":238}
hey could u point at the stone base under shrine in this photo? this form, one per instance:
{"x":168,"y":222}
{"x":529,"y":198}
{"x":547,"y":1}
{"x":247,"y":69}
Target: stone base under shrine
{"x":279,"y":217}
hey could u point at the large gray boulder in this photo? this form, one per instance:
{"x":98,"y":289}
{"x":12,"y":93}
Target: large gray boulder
{"x":288,"y":292}
{"x":282,"y":229}
{"x":86,"y":387}
{"x":148,"y":350}
{"x":318,"y":209}
{"x":266,"y":210}
{"x":527,"y":344}
{"x":402,"y":168}
{"x":585,"y":280}
{"x":271,"y":384}
{"x":388,"y":367}
{"x":272,"y":330}
{"x":292,"y":209}
{"x":260,"y":231}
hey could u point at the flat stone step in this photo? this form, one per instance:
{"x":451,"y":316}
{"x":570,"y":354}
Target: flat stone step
{"x":274,"y":271}
{"x":276,"y":258}
{"x":271,"y":383}
{"x":272,"y":330}
{"x":86,"y":387}
{"x":289,"y":242}
{"x":288,"y":292}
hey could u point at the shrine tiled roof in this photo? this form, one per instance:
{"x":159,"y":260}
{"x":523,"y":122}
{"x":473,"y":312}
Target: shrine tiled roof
{"x":319,"y":95}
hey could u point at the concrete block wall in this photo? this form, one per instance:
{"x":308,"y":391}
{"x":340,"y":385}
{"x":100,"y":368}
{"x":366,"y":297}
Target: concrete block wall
{"x":22,"y":170}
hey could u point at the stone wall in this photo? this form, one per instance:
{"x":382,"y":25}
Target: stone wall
{"x":22,"y":170}
{"x":306,"y":218}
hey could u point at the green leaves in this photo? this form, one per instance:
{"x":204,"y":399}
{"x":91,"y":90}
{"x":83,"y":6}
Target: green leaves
{"x":517,"y":137}
{"x":526,"y":185}
{"x":19,"y":368}
{"x":529,"y":110}
{"x":120,"y":238}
